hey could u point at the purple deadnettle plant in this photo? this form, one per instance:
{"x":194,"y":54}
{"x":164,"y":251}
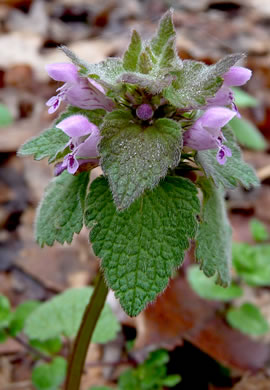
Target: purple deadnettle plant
{"x":147,"y":119}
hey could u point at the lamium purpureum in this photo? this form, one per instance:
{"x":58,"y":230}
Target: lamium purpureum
{"x":147,"y":119}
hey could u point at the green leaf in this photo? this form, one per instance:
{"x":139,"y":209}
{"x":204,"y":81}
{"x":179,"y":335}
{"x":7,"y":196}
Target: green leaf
{"x":49,"y":347}
{"x":5,"y":116}
{"x":171,"y":380}
{"x":62,"y":315}
{"x":20,"y":315}
{"x":100,"y":388}
{"x":47,"y":144}
{"x":5,"y":311}
{"x":60,"y":213}
{"x":136,"y":158}
{"x":150,"y":375}
{"x":128,"y":381}
{"x":3,"y":336}
{"x":248,"y":319}
{"x":258,"y":230}
{"x":141,"y":246}
{"x":164,"y":33}
{"x":49,"y":376}
{"x":107,"y":71}
{"x":145,"y":62}
{"x":247,"y":134}
{"x":234,"y":171}
{"x":252,"y":263}
{"x":197,"y":81}
{"x":131,"y":56}
{"x":213,"y":241}
{"x":153,"y":84}
{"x":243,"y":99}
{"x":207,"y":288}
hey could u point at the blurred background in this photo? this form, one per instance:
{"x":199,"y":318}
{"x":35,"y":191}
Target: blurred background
{"x":207,"y":347}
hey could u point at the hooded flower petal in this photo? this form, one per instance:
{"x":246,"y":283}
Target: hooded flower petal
{"x":236,"y":76}
{"x":206,"y":132}
{"x":76,"y":126}
{"x":78,"y":91}
{"x":63,"y":71}
{"x":215,"y":118}
{"x":85,"y":95}
{"x":88,"y":148}
{"x":96,"y":85}
{"x":223,"y":97}
{"x":198,"y":138}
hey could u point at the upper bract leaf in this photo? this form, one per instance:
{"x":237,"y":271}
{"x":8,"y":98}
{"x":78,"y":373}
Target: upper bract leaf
{"x":131,"y":56}
{"x":234,"y":171}
{"x":165,"y":32}
{"x":135,"y":158}
{"x":60,"y":213}
{"x":140,"y":246}
{"x":213,"y":241}
{"x":197,"y":81}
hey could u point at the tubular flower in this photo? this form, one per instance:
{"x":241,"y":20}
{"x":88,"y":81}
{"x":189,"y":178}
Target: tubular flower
{"x":235,"y":77}
{"x":78,"y":91}
{"x":84,"y":138}
{"x":206,"y":132}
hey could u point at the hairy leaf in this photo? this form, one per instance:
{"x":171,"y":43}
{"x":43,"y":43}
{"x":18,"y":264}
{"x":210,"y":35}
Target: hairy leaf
{"x":131,"y":56}
{"x":197,"y":81}
{"x":106,"y":72}
{"x":60,"y":213}
{"x":48,"y":144}
{"x":140,"y":246}
{"x":165,"y":32}
{"x":135,"y":158}
{"x":213,"y":241}
{"x":62,"y":315}
{"x":234,"y":171}
{"x":151,"y":83}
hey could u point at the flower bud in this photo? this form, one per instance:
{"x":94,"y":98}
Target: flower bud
{"x":145,"y":112}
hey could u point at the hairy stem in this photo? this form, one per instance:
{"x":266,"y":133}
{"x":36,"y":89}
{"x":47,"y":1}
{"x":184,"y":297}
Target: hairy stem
{"x":83,"y":339}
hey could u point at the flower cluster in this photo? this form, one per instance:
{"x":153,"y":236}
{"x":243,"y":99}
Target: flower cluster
{"x":202,"y":134}
{"x":206,"y":132}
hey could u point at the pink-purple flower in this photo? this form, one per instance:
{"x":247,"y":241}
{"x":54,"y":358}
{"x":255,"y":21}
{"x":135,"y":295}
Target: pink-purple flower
{"x":235,"y":77}
{"x":84,"y":138}
{"x":206,"y":132}
{"x":78,"y":91}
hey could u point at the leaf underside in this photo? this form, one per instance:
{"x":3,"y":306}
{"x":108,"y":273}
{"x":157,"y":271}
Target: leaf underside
{"x":213,"y":241}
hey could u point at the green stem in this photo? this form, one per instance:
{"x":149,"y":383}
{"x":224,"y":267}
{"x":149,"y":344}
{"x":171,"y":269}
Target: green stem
{"x":83,"y":339}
